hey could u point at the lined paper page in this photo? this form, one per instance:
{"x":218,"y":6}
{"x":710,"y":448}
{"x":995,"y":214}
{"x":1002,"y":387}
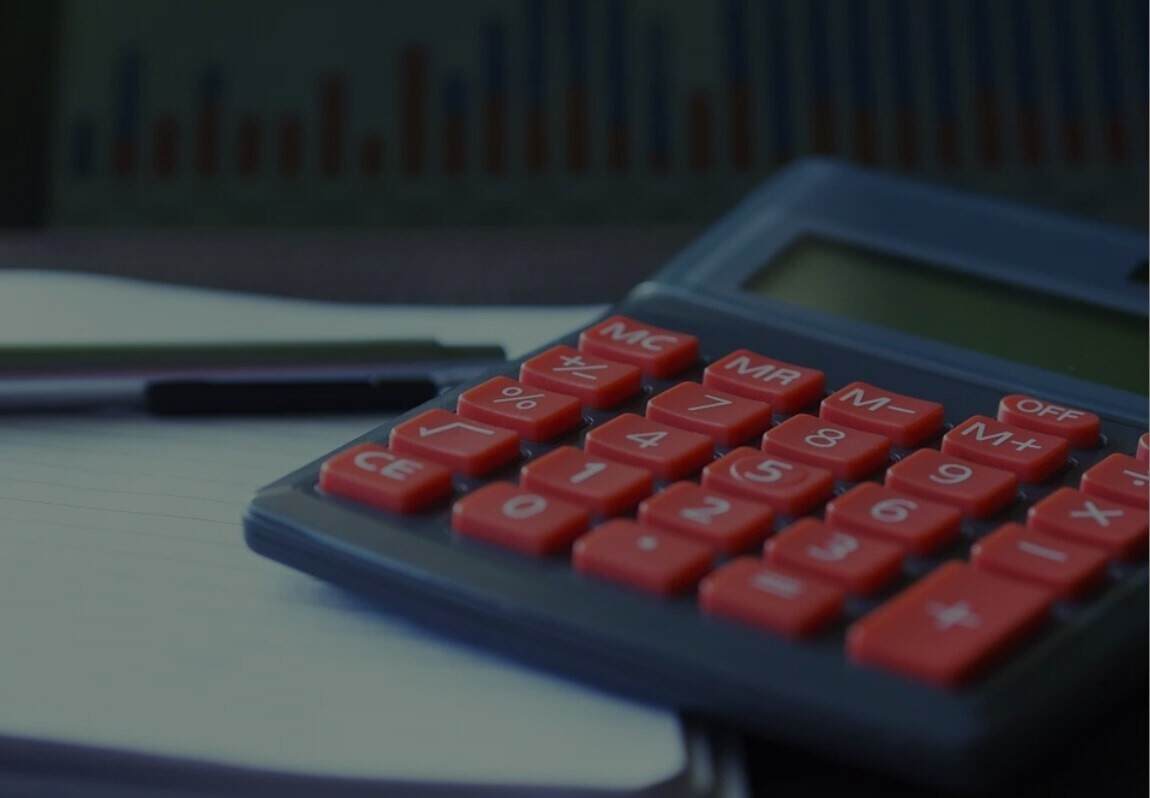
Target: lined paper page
{"x":133,"y":615}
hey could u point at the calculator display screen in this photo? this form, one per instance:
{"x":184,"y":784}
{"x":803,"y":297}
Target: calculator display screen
{"x":1083,"y":341}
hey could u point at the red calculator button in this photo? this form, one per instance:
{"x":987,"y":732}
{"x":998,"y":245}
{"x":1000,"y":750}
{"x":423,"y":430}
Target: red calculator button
{"x":785,"y":386}
{"x":1021,"y":553}
{"x":1033,"y":456}
{"x":471,"y":447}
{"x":369,"y":473}
{"x":510,"y":516}
{"x":724,"y":523}
{"x":729,"y":420}
{"x":658,"y":352}
{"x":597,"y":383}
{"x":855,"y":563}
{"x":1068,"y":513}
{"x":1120,"y":478}
{"x":977,"y":490}
{"x":948,"y":626}
{"x":606,"y":488}
{"x":1143,"y":454}
{"x":641,"y":557}
{"x":789,"y":487}
{"x":749,"y":591}
{"x":903,"y":419}
{"x":1077,"y":426}
{"x":845,"y":452}
{"x":667,"y":452}
{"x":535,"y":413}
{"x":915,"y":524}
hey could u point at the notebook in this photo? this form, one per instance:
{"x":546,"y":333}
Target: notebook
{"x":134,"y":620}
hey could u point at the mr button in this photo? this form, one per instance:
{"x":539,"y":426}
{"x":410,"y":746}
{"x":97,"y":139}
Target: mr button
{"x":369,"y":473}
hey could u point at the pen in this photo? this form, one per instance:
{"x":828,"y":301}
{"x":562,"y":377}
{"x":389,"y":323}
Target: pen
{"x":241,"y":378}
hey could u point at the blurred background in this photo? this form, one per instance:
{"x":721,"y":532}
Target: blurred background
{"x":525,"y":150}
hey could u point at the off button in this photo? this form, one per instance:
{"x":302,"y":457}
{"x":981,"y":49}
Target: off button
{"x":1078,"y":427}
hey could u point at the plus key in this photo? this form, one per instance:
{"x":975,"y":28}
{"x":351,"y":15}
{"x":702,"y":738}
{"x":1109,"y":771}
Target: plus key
{"x":1032,"y":456}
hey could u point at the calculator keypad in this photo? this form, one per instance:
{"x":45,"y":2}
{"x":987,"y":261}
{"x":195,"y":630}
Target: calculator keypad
{"x":594,"y":487}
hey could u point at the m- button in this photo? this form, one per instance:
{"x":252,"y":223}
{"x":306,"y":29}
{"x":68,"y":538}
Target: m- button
{"x":903,"y":419}
{"x":658,"y":352}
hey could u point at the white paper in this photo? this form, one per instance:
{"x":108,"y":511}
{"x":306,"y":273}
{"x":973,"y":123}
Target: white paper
{"x":61,"y":307}
{"x":133,"y":615}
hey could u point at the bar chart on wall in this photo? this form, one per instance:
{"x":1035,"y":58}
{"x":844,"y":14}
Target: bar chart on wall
{"x":369,"y":112}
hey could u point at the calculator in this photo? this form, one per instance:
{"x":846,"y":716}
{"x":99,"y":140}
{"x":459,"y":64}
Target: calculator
{"x":862,"y":470}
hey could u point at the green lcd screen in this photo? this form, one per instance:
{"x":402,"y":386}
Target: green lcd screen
{"x":1061,"y":335}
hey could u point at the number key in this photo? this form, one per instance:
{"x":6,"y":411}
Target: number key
{"x":510,"y":516}
{"x":917,"y":524}
{"x":790,"y":488}
{"x":847,"y":453}
{"x":725,"y":523}
{"x":853,"y":562}
{"x":977,"y":490}
{"x":728,"y":419}
{"x":606,"y":488}
{"x":667,"y":452}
